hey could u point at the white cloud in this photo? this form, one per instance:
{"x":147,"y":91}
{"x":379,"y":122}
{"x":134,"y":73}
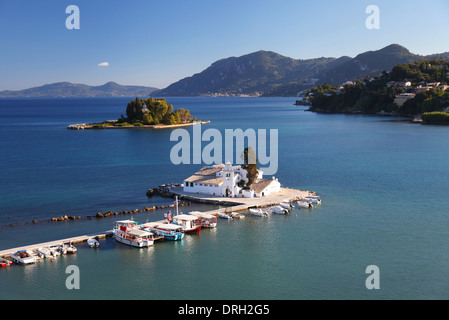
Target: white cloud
{"x":103,"y":64}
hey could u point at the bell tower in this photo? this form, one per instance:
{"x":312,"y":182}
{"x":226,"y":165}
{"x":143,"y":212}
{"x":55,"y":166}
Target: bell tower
{"x":228,"y":180}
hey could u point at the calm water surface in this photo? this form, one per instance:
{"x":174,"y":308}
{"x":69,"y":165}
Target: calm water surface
{"x":383,"y":185}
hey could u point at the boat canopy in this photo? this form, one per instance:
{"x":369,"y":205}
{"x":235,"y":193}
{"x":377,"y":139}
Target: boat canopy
{"x":202,"y":215}
{"x":139,"y":233}
{"x":185,"y":217}
{"x":167,"y":226}
{"x":126,"y":222}
{"x":150,"y":224}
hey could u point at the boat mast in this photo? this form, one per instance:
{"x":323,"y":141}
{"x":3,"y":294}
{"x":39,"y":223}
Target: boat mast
{"x":176,"y":205}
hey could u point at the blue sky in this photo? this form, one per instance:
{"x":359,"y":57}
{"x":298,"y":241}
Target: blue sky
{"x":155,"y":43}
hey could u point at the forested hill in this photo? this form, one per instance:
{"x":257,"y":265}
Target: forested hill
{"x":421,"y":86}
{"x":270,"y":74}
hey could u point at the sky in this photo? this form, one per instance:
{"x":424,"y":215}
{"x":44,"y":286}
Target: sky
{"x":156,"y":43}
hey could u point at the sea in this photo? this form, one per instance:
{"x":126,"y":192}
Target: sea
{"x":383,"y":183}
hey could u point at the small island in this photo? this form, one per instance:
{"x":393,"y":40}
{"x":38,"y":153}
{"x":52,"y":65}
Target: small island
{"x":153,"y":113}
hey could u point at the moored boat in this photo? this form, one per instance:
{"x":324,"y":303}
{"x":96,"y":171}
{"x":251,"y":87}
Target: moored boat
{"x":206,"y":220}
{"x":5,"y":262}
{"x":22,"y":257}
{"x":236,"y":215}
{"x":313,"y":199}
{"x":70,"y":248}
{"x":223,"y":215}
{"x":258,"y":212}
{"x":189,"y":223}
{"x":280,"y":210}
{"x":45,"y":253}
{"x":169,"y":231}
{"x":304,"y":204}
{"x":55,"y":250}
{"x":286,"y":205}
{"x":128,"y":232}
{"x":93,"y":243}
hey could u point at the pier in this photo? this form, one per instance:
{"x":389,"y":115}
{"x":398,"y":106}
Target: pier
{"x":230,"y":205}
{"x":73,"y":240}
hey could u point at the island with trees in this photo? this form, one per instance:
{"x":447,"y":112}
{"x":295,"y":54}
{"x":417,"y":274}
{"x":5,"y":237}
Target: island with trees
{"x":418,"y":90}
{"x":146,"y":113}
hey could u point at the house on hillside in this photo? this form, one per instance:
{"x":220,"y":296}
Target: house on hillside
{"x":402,"y":98}
{"x":225,"y":180}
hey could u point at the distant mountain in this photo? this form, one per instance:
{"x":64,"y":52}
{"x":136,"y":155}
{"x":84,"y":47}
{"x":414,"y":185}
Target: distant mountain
{"x":260,"y":72}
{"x":69,"y":90}
{"x":370,"y":63}
{"x":272,"y":74}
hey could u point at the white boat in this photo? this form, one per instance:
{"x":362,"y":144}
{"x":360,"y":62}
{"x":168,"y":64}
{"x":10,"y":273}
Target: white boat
{"x":93,"y":243}
{"x":22,"y":257}
{"x":206,"y":220}
{"x":36,"y":254}
{"x":236,"y":215}
{"x":63,"y":249}
{"x":280,"y":210}
{"x":258,"y":212}
{"x":70,"y":249}
{"x":304,"y":204}
{"x":45,"y":253}
{"x":55,"y":250}
{"x":128,"y":232}
{"x":189,"y":223}
{"x":224,"y":215}
{"x":313,"y":199}
{"x":286,"y":205}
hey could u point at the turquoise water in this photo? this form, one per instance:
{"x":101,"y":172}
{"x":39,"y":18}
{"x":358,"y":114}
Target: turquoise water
{"x":383,"y":185}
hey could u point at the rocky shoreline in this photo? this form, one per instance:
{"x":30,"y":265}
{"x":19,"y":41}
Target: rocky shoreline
{"x":109,"y":124}
{"x":98,"y":215}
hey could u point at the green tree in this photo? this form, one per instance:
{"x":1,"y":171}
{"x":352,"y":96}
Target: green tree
{"x":184,"y":114}
{"x":250,"y":164}
{"x":147,"y":118}
{"x":177,"y":117}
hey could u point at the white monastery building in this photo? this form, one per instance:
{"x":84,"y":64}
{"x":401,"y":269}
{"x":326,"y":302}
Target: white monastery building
{"x":228,"y":181}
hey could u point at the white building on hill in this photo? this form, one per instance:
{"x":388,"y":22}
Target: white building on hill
{"x":228,"y":181}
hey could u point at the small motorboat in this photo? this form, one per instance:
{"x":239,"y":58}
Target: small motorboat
{"x":22,"y":257}
{"x":235,"y":215}
{"x":45,"y":253}
{"x":304,"y":204}
{"x":55,"y":250}
{"x":5,"y":262}
{"x":69,"y":248}
{"x":258,"y":212}
{"x":224,"y":215}
{"x":313,"y":199}
{"x":93,"y":243}
{"x":280,"y":210}
{"x":286,"y":205}
{"x":63,"y":249}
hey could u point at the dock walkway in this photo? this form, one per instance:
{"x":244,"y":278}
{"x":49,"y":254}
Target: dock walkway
{"x":73,"y":240}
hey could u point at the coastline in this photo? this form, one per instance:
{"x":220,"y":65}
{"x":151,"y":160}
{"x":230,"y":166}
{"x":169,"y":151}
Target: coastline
{"x":109,"y":125}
